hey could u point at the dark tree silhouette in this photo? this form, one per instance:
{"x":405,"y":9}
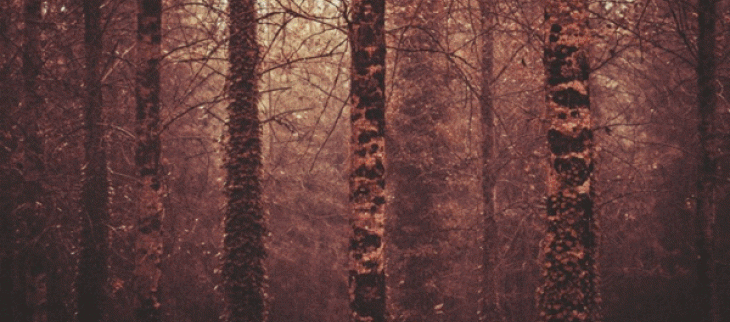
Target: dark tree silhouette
{"x":148,"y":243}
{"x":32,"y":277}
{"x":92,"y":271}
{"x":709,"y":146}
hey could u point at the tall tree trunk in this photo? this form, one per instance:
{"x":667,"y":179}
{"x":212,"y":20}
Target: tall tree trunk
{"x":7,"y":143}
{"x":243,"y":264}
{"x":92,"y":275}
{"x":32,"y":64}
{"x":367,"y":169}
{"x":148,"y":243}
{"x":34,"y":263}
{"x":709,"y":144}
{"x":570,"y":290}
{"x":55,"y":292}
{"x":490,"y":308}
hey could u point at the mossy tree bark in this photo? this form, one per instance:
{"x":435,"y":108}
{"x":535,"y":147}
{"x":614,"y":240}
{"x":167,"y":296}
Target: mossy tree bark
{"x":709,"y":146}
{"x":367,"y":169}
{"x":148,"y":242}
{"x":91,"y":280}
{"x":570,"y":290}
{"x":243,"y":262}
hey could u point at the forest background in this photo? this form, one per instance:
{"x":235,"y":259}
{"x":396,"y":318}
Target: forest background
{"x":643,"y":99}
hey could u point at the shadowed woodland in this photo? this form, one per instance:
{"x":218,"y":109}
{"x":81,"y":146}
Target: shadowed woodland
{"x":364,"y":160}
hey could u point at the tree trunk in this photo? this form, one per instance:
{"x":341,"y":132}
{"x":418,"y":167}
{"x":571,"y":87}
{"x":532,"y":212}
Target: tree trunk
{"x":7,"y":182}
{"x":709,"y":144}
{"x":367,"y":169}
{"x":490,"y":308}
{"x":31,"y":105}
{"x":569,"y":291}
{"x":243,"y":264}
{"x":92,"y":275}
{"x":34,"y":263}
{"x":148,"y":243}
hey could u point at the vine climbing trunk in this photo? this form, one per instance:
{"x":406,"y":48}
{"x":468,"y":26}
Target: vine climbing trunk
{"x":94,"y":247}
{"x":243,"y":262}
{"x":367,"y":169}
{"x":705,"y":213}
{"x":570,"y":288}
{"x":148,"y":242}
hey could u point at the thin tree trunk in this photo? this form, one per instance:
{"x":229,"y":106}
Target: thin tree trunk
{"x":37,"y":293}
{"x":7,"y":187}
{"x":35,"y":266}
{"x":92,"y":274}
{"x":490,"y":308}
{"x":243,"y":264}
{"x":367,"y":169}
{"x":148,"y":243}
{"x":569,"y":291}
{"x":709,"y":144}
{"x":55,"y":291}
{"x":32,"y":64}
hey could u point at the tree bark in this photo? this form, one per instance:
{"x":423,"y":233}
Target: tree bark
{"x":367,"y":169}
{"x":490,"y":308}
{"x":148,"y":243}
{"x":34,"y":262}
{"x":570,"y":290}
{"x":7,"y":175}
{"x":704,"y":220}
{"x":243,"y":264}
{"x":31,"y":104}
{"x":92,"y":271}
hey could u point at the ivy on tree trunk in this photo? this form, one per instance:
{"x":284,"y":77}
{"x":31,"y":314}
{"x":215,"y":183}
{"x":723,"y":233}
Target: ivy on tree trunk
{"x":243,"y":262}
{"x":367,"y":169}
{"x":570,"y":288}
